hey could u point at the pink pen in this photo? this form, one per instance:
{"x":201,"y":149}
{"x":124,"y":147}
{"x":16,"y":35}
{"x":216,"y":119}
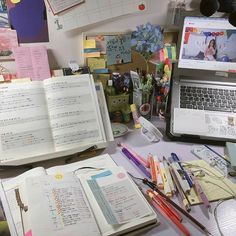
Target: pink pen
{"x":200,"y":191}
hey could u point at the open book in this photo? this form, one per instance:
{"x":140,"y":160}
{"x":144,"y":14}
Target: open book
{"x":90,"y":197}
{"x":59,"y":116}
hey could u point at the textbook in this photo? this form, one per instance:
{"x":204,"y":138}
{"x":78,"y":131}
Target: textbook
{"x":90,"y":197}
{"x":56,"y":117}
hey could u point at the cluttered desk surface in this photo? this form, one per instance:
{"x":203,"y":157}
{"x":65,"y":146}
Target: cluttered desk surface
{"x":225,"y":212}
{"x":222,"y":212}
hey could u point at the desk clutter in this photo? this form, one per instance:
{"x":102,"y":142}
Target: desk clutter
{"x":192,"y":182}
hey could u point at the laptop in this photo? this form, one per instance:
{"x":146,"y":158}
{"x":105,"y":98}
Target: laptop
{"x":203,"y":91}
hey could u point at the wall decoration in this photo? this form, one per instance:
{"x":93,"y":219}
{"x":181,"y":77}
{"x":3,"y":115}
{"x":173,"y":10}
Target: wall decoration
{"x":29,"y":19}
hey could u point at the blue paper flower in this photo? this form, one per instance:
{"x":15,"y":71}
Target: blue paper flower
{"x":147,"y":39}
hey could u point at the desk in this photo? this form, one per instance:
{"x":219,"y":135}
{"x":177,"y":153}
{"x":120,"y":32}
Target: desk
{"x":226,"y":211}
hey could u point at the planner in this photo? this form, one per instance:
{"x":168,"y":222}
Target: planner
{"x":90,"y":197}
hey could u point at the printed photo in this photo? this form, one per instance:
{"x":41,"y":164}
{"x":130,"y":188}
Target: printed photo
{"x":209,"y":45}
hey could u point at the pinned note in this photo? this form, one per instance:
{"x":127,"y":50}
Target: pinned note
{"x":96,"y":63}
{"x":90,"y":43}
{"x":118,"y":49}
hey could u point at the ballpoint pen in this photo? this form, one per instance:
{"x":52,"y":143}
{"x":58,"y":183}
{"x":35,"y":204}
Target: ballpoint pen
{"x":154,"y":187}
{"x":176,"y":159}
{"x":136,"y":162}
{"x":180,"y":177}
{"x":180,"y":190}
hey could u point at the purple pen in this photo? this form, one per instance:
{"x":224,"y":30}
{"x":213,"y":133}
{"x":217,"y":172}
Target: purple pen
{"x":136,"y":162}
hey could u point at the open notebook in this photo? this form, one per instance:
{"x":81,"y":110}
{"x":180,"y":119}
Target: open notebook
{"x":59,"y":116}
{"x":76,"y":200}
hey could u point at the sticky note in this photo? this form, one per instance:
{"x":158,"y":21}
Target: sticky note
{"x":92,"y":54}
{"x":96,"y":63}
{"x":90,"y":43}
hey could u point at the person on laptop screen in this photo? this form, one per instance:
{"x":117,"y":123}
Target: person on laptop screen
{"x":210,"y":52}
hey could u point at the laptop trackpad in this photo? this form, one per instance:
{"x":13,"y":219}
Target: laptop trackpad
{"x":187,"y":121}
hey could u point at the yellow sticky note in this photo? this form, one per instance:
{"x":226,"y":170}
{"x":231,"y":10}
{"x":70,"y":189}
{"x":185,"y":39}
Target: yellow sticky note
{"x":96,"y":63}
{"x":90,"y":43}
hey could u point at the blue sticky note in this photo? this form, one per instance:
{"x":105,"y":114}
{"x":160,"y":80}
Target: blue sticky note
{"x":118,"y":49}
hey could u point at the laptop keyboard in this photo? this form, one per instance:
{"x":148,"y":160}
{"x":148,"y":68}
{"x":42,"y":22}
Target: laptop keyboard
{"x":211,"y":99}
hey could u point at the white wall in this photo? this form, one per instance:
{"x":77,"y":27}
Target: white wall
{"x":64,"y":46}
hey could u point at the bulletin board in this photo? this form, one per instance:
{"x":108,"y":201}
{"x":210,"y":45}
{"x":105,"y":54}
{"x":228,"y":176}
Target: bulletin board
{"x":137,"y":60}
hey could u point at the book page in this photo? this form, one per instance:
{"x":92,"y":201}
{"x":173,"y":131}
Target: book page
{"x":57,"y":206}
{"x":24,"y":125}
{"x":74,"y":112}
{"x":32,"y":62}
{"x":113,"y":203}
{"x":7,"y":194}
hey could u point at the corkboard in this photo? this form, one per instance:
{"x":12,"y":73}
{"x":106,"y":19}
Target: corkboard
{"x":137,"y":59}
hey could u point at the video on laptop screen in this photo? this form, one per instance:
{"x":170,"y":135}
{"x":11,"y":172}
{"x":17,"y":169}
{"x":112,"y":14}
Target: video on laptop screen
{"x":208,"y":44}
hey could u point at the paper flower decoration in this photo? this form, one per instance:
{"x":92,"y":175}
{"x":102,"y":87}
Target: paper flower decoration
{"x":147,"y":39}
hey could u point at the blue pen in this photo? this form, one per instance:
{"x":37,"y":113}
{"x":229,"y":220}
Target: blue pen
{"x":136,"y":162}
{"x":176,"y":159}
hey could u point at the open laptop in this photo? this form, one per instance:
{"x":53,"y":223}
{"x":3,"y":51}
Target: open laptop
{"x":203,"y":93}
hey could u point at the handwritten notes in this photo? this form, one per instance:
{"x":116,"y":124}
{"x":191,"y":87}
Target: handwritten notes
{"x":32,"y":62}
{"x":118,"y":49}
{"x":117,"y":197}
{"x":60,"y":205}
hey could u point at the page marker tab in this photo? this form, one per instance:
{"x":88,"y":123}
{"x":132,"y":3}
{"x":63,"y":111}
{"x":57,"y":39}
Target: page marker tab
{"x":100,"y":175}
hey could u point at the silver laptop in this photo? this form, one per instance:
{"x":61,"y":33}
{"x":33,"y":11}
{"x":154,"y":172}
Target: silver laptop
{"x":203,"y":94}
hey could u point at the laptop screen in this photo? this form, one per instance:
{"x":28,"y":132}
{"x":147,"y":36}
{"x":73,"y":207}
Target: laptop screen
{"x":208,"y":44}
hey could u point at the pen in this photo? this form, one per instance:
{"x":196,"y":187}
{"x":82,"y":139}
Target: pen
{"x":176,"y":159}
{"x":180,"y":177}
{"x":200,"y":191}
{"x":166,"y":204}
{"x":167,"y":189}
{"x":160,"y":184}
{"x":136,"y":155}
{"x":180,"y":190}
{"x":153,"y":168}
{"x":153,"y":186}
{"x":136,"y":162}
{"x":168,"y":175}
{"x":217,"y":153}
{"x":168,"y":215}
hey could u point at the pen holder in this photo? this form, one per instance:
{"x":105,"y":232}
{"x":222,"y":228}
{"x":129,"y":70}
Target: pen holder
{"x":117,"y":102}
